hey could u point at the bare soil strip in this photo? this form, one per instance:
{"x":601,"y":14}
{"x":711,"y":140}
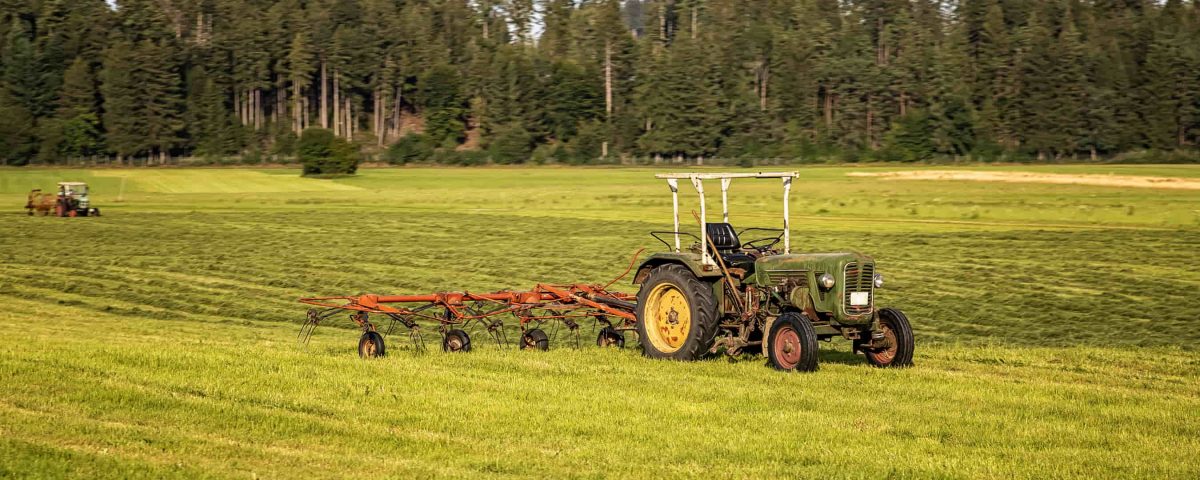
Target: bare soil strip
{"x":1173,"y":183}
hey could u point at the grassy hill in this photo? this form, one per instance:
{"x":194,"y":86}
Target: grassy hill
{"x":1055,"y":325}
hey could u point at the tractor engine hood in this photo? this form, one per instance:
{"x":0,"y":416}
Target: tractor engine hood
{"x":823,"y":262}
{"x":851,"y":299}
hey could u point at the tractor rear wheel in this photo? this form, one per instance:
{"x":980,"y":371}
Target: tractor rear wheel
{"x":899,"y":335}
{"x":677,"y":314}
{"x":456,"y":341}
{"x":535,"y":338}
{"x":792,"y":343}
{"x":610,"y":337}
{"x":370,"y":345}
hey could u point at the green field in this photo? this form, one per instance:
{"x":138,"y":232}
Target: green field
{"x":1056,"y":327}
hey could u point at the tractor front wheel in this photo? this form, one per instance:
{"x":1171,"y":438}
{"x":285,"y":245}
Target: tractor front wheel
{"x":792,"y":343}
{"x":677,"y":314}
{"x":370,"y":345}
{"x":898,"y":336}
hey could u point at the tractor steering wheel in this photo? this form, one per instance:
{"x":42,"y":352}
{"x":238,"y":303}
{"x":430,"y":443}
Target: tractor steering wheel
{"x":761,"y":247}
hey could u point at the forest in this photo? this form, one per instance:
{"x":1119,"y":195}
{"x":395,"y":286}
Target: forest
{"x":600,"y":81}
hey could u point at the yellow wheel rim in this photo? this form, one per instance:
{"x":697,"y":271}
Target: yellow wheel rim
{"x":668,"y":318}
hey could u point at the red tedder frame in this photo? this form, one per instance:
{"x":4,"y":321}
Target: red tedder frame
{"x":452,"y":313}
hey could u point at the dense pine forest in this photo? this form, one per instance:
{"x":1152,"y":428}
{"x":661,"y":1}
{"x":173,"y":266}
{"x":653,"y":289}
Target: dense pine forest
{"x":600,"y":81}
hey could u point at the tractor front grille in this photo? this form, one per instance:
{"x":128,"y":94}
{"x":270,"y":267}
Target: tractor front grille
{"x":787,"y":280}
{"x":858,"y":280}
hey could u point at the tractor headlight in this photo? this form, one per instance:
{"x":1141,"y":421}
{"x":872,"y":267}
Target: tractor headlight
{"x":826,"y":281}
{"x":878,"y":281}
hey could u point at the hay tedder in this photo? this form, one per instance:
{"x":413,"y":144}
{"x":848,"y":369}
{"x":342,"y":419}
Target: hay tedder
{"x":453,"y":313}
{"x":717,"y":295}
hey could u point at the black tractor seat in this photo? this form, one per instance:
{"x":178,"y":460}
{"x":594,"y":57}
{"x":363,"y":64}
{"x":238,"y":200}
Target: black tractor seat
{"x":729,"y":247}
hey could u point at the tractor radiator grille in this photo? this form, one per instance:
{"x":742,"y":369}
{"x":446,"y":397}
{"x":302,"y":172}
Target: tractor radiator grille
{"x":859,"y":280}
{"x":788,"y":279}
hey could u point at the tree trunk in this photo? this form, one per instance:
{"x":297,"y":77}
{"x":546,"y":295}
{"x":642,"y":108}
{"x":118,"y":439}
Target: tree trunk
{"x":304,"y":108}
{"x":297,"y":112}
{"x":695,"y":22}
{"x":349,"y":120}
{"x":608,"y":90}
{"x":871,"y":122}
{"x":379,"y":114}
{"x":237,"y":105}
{"x":324,"y":96}
{"x":828,"y":109}
{"x":397,"y":112}
{"x":337,"y":103}
{"x":257,"y":109}
{"x":766,"y":75}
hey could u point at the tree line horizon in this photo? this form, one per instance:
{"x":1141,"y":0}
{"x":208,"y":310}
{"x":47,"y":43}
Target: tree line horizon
{"x":598,"y":81}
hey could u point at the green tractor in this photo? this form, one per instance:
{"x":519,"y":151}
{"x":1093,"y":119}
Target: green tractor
{"x":724,"y":293}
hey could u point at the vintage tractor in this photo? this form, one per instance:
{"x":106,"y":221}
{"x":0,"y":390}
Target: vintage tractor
{"x":71,"y":201}
{"x":727,"y":294}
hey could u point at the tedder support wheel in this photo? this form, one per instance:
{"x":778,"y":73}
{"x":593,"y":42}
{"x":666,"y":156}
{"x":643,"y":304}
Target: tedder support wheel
{"x":899,"y":335}
{"x":535,"y":338}
{"x":676,"y":313}
{"x":610,"y":337}
{"x":370,"y":345}
{"x":456,"y":341}
{"x":792,"y":343}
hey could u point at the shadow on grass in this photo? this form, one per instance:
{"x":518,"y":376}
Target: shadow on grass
{"x":841,"y":357}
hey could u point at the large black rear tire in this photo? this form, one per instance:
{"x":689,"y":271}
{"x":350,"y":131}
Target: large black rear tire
{"x":677,"y":314}
{"x":792,"y":343}
{"x":896,"y":328}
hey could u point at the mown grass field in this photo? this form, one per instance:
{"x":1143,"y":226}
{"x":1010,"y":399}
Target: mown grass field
{"x":1056,"y":327}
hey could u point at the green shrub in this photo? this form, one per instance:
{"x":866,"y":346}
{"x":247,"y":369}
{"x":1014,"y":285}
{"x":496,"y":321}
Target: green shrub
{"x":411,"y":148}
{"x":511,"y":144}
{"x":323,"y":153}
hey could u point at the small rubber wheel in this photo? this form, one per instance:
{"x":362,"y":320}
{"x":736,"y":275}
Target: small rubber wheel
{"x":456,"y":341}
{"x":793,"y":343}
{"x":535,"y":338}
{"x":899,"y":335}
{"x":371,"y":345}
{"x":610,"y":337}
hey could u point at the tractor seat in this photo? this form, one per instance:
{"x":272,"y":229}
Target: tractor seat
{"x":729,"y":246}
{"x":724,"y":237}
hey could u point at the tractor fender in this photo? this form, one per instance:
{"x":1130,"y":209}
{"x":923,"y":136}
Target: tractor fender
{"x":660,"y":259}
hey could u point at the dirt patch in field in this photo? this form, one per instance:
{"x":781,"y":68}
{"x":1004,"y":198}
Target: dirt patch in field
{"x":1173,"y":183}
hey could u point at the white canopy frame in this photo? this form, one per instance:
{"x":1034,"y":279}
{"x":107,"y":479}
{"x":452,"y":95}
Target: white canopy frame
{"x":726,"y":179}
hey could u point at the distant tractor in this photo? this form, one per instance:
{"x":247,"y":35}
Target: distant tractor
{"x":71,"y":201}
{"x":726,"y":294}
